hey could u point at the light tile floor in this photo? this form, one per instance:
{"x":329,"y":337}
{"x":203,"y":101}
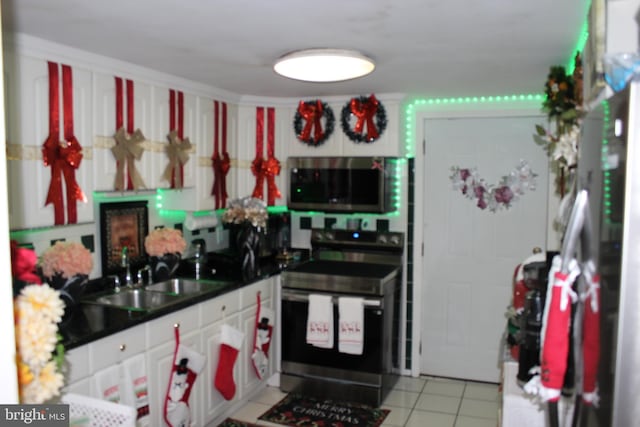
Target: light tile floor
{"x":414,"y":402}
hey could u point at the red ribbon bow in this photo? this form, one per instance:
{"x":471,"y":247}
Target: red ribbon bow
{"x":220,"y":159}
{"x":271,"y":169}
{"x":63,"y":158}
{"x":365,"y":111}
{"x":267,"y":168}
{"x":312,"y":115}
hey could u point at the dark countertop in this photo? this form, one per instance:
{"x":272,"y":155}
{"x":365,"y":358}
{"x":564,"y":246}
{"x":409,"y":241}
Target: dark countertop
{"x":89,"y":322}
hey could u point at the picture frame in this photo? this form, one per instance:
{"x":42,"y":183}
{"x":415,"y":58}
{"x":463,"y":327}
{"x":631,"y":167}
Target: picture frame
{"x":123,"y":224}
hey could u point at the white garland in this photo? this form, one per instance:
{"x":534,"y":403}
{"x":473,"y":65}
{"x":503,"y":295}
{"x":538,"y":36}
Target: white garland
{"x":499,"y":196}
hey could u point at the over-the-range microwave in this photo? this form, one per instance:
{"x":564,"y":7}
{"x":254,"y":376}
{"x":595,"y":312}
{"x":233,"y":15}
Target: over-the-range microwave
{"x":341,"y":184}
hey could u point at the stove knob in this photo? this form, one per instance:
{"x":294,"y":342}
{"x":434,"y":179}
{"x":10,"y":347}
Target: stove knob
{"x":395,"y":240}
{"x":382,"y":239}
{"x":329,"y":236}
{"x":317,"y":236}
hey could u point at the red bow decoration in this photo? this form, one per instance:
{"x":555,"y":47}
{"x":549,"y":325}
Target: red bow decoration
{"x":23,"y":264}
{"x":220,"y":159}
{"x":312,"y":115}
{"x":267,"y":168}
{"x":271,"y":169}
{"x":63,"y":157}
{"x":365,"y":111}
{"x":221,"y":166}
{"x":259,"y":172}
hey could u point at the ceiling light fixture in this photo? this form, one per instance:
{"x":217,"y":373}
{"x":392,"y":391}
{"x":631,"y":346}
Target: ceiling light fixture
{"x":324,"y":65}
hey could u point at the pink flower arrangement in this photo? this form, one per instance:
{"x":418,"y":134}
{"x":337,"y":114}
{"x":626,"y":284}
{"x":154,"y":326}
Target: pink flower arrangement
{"x":67,"y":259}
{"x":164,"y":241}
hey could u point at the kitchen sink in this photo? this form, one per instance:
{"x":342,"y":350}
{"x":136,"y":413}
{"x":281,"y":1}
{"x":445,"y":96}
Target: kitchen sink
{"x":137,"y":300}
{"x":186,"y":286}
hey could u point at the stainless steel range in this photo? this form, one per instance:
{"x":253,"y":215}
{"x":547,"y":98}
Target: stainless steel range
{"x":362,"y":264}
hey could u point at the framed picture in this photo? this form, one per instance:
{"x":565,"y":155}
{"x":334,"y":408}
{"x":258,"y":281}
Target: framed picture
{"x":123,"y":224}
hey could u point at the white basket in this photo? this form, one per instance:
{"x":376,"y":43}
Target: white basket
{"x":99,"y":413}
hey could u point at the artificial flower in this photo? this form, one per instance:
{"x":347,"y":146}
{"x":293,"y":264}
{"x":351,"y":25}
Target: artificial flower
{"x":23,"y":264}
{"x":246,"y":210}
{"x":67,"y":259}
{"x":38,"y":309}
{"x":164,"y":241}
{"x":494,"y":197}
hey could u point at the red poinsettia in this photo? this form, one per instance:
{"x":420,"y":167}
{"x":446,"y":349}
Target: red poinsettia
{"x":23,"y":264}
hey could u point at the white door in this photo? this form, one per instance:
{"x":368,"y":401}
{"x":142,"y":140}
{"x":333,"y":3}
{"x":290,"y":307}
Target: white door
{"x":470,"y":254}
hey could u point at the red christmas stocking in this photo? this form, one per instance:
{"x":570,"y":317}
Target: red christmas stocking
{"x":262,"y":339}
{"x":187,"y":364}
{"x":230,"y":344}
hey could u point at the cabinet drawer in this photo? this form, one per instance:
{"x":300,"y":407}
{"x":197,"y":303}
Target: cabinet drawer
{"x":214,"y":309}
{"x":160,"y":331}
{"x":115,"y":348}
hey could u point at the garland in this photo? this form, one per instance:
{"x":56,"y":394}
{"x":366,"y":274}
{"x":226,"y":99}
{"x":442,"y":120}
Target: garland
{"x":312,"y":112}
{"x":503,"y":195}
{"x":365,"y":109}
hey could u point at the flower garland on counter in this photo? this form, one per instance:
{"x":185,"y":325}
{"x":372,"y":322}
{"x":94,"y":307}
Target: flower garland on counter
{"x":494,"y":197}
{"x":369,"y":112}
{"x":312,"y":112}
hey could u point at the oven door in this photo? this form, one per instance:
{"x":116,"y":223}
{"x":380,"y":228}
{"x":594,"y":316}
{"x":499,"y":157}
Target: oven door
{"x":297,"y":353}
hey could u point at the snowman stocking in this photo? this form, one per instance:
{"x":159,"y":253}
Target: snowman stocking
{"x":262,"y":339}
{"x":187,"y":364}
{"x":230,"y":344}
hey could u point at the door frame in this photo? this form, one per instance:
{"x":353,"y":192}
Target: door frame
{"x":417,"y":112}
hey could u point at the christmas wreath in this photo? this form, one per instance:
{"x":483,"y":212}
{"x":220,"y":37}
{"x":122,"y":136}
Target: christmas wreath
{"x":312,"y":112}
{"x":369,"y":112}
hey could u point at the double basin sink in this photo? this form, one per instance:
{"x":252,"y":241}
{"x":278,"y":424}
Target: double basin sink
{"x":158,"y":295}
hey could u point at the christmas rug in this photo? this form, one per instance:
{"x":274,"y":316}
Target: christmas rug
{"x":302,"y":411}
{"x":230,"y":422}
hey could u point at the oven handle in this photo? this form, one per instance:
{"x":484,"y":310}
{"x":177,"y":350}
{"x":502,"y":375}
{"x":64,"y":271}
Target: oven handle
{"x":290,"y":295}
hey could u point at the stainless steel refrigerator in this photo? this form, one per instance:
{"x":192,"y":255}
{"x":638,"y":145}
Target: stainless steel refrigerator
{"x":609,"y":169}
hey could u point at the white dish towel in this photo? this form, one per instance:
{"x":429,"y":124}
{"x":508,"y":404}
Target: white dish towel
{"x":320,"y":321}
{"x":351,"y":325}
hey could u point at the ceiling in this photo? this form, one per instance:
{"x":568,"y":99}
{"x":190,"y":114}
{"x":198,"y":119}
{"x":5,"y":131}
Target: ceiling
{"x":427,"y":48}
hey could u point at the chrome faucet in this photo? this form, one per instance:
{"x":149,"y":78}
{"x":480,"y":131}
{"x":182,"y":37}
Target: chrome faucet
{"x":124,"y":262}
{"x":146,"y":268}
{"x":116,"y":282}
{"x":199,"y":258}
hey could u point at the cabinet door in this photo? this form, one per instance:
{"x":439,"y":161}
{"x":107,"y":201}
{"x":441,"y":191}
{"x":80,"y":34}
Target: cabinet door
{"x":105,"y":129}
{"x":214,"y":403}
{"x":160,"y":136}
{"x":77,"y":364}
{"x":29,"y":178}
{"x":159,"y":365}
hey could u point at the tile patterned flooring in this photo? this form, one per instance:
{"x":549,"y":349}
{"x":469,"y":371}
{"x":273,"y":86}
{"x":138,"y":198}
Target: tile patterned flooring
{"x":414,"y":402}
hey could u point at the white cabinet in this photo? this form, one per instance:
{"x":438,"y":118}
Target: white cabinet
{"x":199,"y":326}
{"x":159,"y":368}
{"x":27,"y":98}
{"x":105,"y":128}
